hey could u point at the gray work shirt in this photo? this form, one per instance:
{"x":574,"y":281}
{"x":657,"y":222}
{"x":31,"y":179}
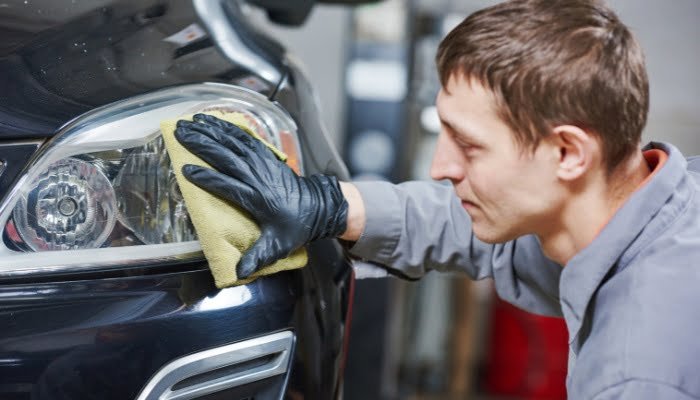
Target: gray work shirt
{"x":631,"y":299}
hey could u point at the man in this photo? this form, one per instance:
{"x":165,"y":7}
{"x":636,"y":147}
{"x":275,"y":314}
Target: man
{"x":542,"y":107}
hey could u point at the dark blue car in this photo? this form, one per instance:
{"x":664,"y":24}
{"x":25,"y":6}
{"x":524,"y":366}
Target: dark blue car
{"x":104,"y":291}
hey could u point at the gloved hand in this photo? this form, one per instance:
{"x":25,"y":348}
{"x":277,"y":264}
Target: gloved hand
{"x":291,"y":210}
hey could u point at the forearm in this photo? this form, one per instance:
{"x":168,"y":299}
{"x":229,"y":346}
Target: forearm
{"x":356,"y":212}
{"x":415,"y":227}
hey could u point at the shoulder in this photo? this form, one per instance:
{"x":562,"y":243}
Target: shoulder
{"x":694,"y":167}
{"x":634,"y":389}
{"x":645,"y":321}
{"x":694,"y":163}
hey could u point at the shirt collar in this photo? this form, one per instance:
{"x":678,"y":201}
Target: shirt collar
{"x":587,"y":270}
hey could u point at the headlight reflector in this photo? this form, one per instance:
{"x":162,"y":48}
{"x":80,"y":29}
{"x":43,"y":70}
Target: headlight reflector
{"x":150,"y":203}
{"x":71,"y":205}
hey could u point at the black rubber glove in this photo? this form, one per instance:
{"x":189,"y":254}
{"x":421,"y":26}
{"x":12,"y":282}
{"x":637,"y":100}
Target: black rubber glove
{"x":291,"y":210}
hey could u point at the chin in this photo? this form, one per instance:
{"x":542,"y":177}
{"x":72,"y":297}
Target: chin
{"x":492,"y":236}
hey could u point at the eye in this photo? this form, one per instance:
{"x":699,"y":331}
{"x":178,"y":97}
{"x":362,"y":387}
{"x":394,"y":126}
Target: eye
{"x":464,"y":145}
{"x":461,"y":142}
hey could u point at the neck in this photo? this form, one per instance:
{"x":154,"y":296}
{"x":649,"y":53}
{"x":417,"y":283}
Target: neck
{"x":589,"y":209}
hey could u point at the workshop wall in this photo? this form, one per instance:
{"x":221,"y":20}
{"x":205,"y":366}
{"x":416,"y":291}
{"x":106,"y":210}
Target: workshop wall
{"x":668,"y":32}
{"x":322,"y":45}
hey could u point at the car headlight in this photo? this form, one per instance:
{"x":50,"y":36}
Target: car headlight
{"x":102,"y":192}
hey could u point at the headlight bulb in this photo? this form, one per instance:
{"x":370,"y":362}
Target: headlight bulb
{"x":70,"y":206}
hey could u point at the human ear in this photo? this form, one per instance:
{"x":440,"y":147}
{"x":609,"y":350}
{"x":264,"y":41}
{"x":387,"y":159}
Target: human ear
{"x":576,"y":149}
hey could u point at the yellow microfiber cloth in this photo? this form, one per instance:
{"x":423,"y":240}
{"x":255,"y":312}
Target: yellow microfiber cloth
{"x":225,"y":231}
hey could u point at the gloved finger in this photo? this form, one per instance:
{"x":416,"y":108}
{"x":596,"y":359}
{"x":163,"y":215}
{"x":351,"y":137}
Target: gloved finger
{"x":224,"y":186}
{"x":218,"y":156}
{"x":243,"y":144}
{"x":232,"y":132}
{"x":212,"y":120}
{"x":215,"y":134}
{"x":263,"y":253}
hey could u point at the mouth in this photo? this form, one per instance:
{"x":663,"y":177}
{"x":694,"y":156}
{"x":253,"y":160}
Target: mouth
{"x":469,"y":206}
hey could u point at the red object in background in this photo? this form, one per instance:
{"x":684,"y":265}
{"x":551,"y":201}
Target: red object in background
{"x":527,"y":355}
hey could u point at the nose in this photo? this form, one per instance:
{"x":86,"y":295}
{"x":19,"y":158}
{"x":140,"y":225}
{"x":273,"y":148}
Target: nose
{"x":448,"y":160}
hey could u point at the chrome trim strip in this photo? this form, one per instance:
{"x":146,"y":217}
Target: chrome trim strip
{"x":106,"y":259}
{"x":161,"y":384}
{"x":213,"y":16}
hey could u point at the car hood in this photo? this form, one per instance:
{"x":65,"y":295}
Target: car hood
{"x":60,"y":59}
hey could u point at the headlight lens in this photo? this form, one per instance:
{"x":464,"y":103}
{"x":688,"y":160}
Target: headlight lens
{"x":105,"y":182}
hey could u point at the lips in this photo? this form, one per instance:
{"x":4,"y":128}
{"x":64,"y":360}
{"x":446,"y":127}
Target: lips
{"x":468,"y":205}
{"x":464,"y":198}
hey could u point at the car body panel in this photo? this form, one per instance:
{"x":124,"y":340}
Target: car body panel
{"x":103,"y":338}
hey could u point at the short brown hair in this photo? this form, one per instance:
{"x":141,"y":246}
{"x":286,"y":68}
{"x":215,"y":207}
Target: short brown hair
{"x":553,"y":62}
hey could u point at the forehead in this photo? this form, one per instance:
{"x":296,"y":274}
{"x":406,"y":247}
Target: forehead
{"x":470,"y":108}
{"x":466,"y":95}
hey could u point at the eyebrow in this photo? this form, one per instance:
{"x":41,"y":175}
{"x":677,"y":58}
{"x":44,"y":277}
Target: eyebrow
{"x":458,"y":130}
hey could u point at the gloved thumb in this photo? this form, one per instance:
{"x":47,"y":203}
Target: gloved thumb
{"x":262,"y":253}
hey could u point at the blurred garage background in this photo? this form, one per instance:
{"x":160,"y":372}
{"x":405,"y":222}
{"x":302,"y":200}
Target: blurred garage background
{"x":446,"y":337}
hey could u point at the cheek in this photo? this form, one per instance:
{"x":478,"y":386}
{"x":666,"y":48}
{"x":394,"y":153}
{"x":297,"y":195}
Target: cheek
{"x":525,"y":188}
{"x":490,"y":181}
{"x":504,"y":189}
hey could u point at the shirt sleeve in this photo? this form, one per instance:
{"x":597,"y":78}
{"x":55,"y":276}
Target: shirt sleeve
{"x":416,"y":227}
{"x":635,"y":389}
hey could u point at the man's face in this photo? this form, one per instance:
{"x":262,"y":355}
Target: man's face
{"x":507,"y":191}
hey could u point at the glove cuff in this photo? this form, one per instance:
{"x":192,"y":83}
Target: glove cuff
{"x":333,"y":208}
